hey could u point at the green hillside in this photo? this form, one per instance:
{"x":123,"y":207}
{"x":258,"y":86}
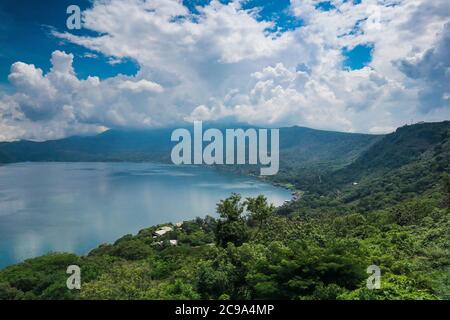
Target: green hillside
{"x":406,"y":145}
{"x":402,"y":165}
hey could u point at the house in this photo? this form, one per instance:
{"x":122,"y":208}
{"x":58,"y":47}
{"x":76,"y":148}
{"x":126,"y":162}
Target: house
{"x":171,"y":242}
{"x":162,"y":231}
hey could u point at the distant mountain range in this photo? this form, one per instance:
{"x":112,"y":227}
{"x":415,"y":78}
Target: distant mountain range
{"x":112,"y":145}
{"x":299,"y":147}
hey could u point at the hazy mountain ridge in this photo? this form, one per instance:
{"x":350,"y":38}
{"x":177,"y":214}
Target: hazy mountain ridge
{"x":299,"y":147}
{"x":111,"y":145}
{"x":305,"y":146}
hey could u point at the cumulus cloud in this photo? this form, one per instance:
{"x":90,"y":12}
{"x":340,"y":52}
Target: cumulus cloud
{"x":140,"y":86}
{"x":225,"y":62}
{"x":57,"y":104}
{"x":432,"y":72}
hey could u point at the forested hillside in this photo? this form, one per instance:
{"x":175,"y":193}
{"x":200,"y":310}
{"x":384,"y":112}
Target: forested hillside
{"x":403,"y":165}
{"x":410,"y":147}
{"x":408,"y":144}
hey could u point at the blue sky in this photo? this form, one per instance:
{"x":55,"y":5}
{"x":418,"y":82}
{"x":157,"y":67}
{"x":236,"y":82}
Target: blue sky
{"x":358,"y":56}
{"x":28,"y":39}
{"x":365,"y":66}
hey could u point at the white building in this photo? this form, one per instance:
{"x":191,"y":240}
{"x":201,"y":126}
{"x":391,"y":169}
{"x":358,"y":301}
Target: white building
{"x":162,"y":231}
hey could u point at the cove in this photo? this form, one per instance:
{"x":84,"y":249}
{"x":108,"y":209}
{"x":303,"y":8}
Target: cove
{"x":74,"y":207}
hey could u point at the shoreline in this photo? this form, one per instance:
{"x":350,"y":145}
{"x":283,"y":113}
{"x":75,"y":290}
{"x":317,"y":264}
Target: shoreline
{"x":146,"y":226}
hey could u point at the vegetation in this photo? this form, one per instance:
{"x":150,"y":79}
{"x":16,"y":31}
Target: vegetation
{"x":259,"y":255}
{"x":396,"y":216}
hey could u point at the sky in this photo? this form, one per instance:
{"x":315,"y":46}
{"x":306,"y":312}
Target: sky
{"x":348,"y":65}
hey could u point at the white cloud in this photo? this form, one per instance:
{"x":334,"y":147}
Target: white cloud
{"x":57,"y":104}
{"x":224,"y":63}
{"x":140,"y":86}
{"x":431,"y":70}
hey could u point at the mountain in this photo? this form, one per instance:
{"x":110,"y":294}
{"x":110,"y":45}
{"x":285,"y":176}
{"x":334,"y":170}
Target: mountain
{"x":405,"y":164}
{"x":299,"y":148}
{"x":406,"y":145}
{"x":112,"y":145}
{"x":305,"y":147}
{"x":3,"y":157}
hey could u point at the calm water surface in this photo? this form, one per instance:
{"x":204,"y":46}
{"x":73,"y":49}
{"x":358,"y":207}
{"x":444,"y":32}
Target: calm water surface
{"x":74,"y":207}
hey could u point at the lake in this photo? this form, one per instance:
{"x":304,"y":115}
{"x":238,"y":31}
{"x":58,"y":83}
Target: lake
{"x":74,"y":207}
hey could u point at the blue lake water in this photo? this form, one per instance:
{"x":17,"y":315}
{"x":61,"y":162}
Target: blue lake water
{"x":74,"y":207}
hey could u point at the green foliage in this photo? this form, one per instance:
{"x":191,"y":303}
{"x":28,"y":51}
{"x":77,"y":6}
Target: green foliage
{"x":9,"y":293}
{"x":446,"y":182}
{"x":122,"y":281}
{"x":133,"y":249}
{"x":38,"y":278}
{"x":298,"y":257}
{"x":232,"y":228}
{"x":213,"y":279}
{"x":259,"y":210}
{"x":231,"y":208}
{"x":411,"y":212}
{"x":394,"y":287}
{"x":235,"y":232}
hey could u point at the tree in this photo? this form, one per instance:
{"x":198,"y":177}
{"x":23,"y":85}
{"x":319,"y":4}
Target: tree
{"x":259,"y":209}
{"x":411,"y":212}
{"x":213,"y":279}
{"x":231,"y":208}
{"x":231,"y":227}
{"x":9,"y":293}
